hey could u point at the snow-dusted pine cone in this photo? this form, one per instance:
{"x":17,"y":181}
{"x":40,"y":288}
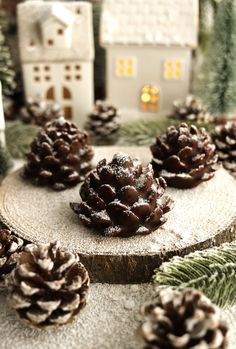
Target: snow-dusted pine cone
{"x":49,"y":286}
{"x":60,"y":155}
{"x":122,"y":198}
{"x":103,"y":124}
{"x":184,"y":156}
{"x":224,"y":138}
{"x":10,"y":246}
{"x":190,"y":110}
{"x":39,"y":111}
{"x":185,"y":320}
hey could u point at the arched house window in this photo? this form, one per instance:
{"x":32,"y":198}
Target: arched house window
{"x":50,"y":94}
{"x":66,"y":93}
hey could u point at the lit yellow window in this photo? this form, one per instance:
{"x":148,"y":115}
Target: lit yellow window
{"x":125,"y":67}
{"x":173,"y":69}
{"x":149,"y":98}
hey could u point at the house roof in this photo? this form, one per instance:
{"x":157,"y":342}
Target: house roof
{"x":149,"y":22}
{"x":32,"y":14}
{"x":61,"y":14}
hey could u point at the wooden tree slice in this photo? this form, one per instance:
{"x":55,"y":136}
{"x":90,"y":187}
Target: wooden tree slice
{"x":201,"y":217}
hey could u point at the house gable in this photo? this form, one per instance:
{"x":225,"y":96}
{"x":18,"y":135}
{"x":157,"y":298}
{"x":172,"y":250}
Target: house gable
{"x":73,"y":20}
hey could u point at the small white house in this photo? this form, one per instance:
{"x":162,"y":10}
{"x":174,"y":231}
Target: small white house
{"x":149,"y":48}
{"x":57,"y":53}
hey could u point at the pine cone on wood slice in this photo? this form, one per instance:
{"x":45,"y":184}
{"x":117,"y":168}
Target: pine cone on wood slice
{"x":49,"y":286}
{"x":122,"y":198}
{"x":10,"y":246}
{"x":186,"y":320}
{"x":185,"y":156}
{"x":103,"y":124}
{"x":39,"y":111}
{"x":60,"y":155}
{"x":224,"y":137}
{"x":190,"y":110}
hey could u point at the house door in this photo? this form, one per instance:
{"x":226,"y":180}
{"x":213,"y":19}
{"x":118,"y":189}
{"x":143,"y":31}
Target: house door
{"x":64,"y":97}
{"x":149,"y":98}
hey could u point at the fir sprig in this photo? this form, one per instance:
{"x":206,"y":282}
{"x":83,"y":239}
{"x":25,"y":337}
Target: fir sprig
{"x":212,"y":271}
{"x":144,"y":132}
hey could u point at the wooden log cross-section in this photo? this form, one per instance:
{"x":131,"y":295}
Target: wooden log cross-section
{"x":201,"y":217}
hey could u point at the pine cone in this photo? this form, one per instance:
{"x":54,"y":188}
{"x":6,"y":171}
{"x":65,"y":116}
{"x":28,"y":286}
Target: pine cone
{"x":10,"y":246}
{"x":184,"y":156}
{"x":122,"y":198}
{"x":224,"y":138}
{"x":184,"y":319}
{"x":103,"y":124}
{"x":190,"y":110}
{"x":60,"y":155}
{"x":49,"y":286}
{"x":39,"y":111}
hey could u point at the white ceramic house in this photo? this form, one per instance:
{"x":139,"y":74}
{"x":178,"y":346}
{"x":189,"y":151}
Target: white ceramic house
{"x":149,"y":48}
{"x":57,"y":53}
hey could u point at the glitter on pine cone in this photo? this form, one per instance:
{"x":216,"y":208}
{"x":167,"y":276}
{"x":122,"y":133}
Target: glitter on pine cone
{"x":184,"y":319}
{"x":103,"y":124}
{"x":190,"y":110}
{"x":60,"y":155}
{"x":122,"y":198}
{"x":224,"y":137}
{"x":10,"y":246}
{"x":49,"y":287}
{"x":185,"y":156}
{"x":39,"y":111}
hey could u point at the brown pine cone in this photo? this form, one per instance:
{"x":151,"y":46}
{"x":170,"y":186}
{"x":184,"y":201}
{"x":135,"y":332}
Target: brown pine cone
{"x":60,"y":155}
{"x":39,"y":111}
{"x":184,"y":156}
{"x":103,"y":124}
{"x":185,"y":320}
{"x":190,"y":110}
{"x":224,"y":138}
{"x":49,"y":286}
{"x":122,"y":198}
{"x":10,"y":246}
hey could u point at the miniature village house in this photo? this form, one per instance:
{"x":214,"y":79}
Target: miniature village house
{"x":149,"y":52}
{"x":57,"y":53}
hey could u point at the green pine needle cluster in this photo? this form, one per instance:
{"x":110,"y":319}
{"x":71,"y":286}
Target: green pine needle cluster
{"x":144,"y":132}
{"x":19,"y":137}
{"x":7,"y":72}
{"x":219,"y":84}
{"x":5,"y":161}
{"x":213,"y":271}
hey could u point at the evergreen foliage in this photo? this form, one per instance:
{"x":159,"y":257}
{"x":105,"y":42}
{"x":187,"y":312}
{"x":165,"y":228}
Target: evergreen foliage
{"x":5,"y":161}
{"x":212,"y":271}
{"x":19,"y":137}
{"x":144,"y":132}
{"x":220,"y":69}
{"x":7,"y":73}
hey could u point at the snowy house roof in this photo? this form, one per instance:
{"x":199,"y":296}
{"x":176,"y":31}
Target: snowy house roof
{"x":33,"y":14}
{"x":61,"y":14}
{"x":150,"y":22}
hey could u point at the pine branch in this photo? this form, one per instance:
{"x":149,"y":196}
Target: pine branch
{"x":18,"y":138}
{"x":213,"y":271}
{"x":144,"y":132}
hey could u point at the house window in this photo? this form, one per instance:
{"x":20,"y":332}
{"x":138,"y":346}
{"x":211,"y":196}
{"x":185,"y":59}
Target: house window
{"x":37,"y":78}
{"x":66,"y":93}
{"x":47,"y":78}
{"x":149,"y":98}
{"x":46,"y":68}
{"x":77,"y":77}
{"x":67,"y":67}
{"x":77,"y":67}
{"x":50,"y":95}
{"x":173,"y":69}
{"x":50,"y":42}
{"x":60,"y":31}
{"x":36,"y":68}
{"x":125,"y":67}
